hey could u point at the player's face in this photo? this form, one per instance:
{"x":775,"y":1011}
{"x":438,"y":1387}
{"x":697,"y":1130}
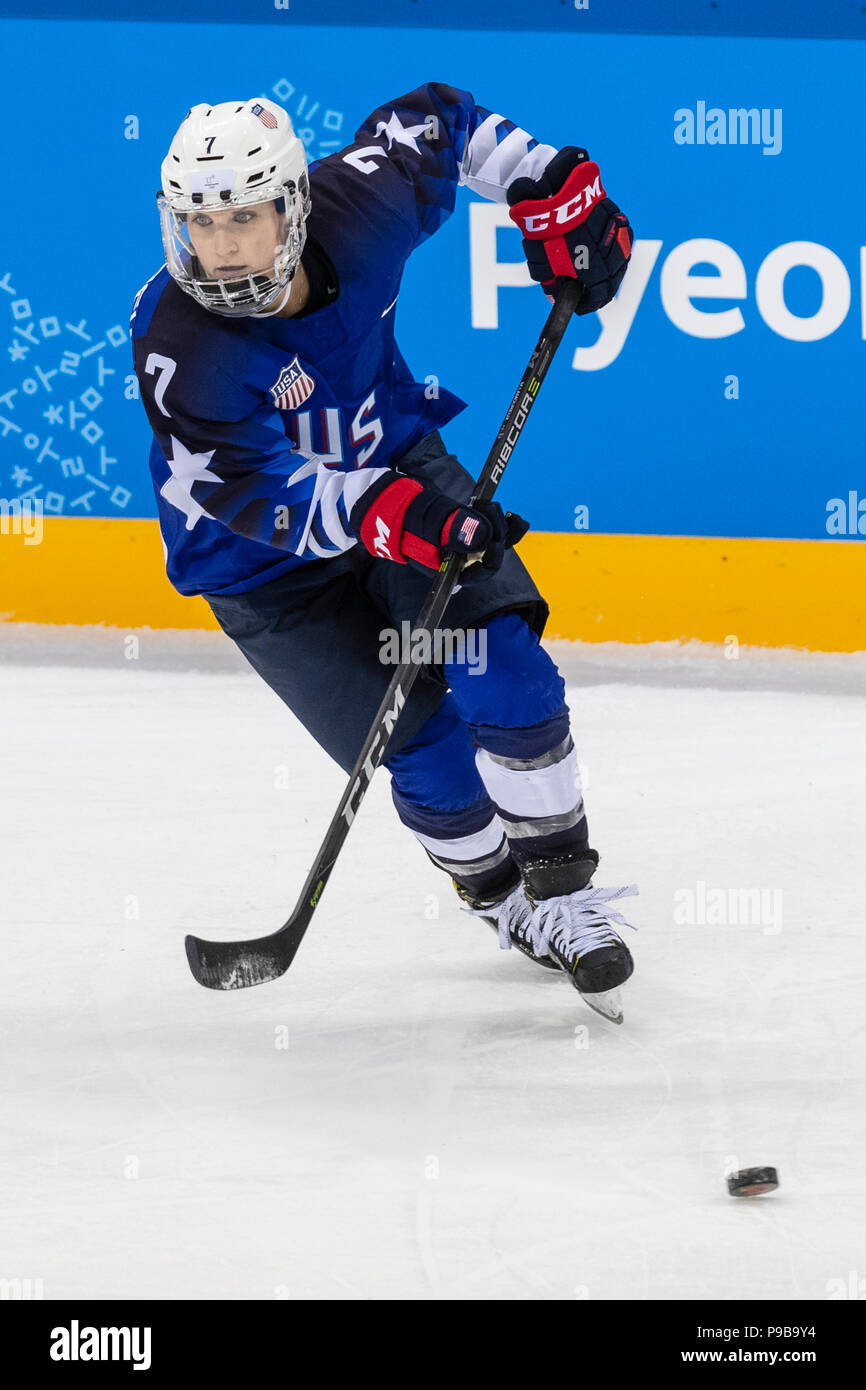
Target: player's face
{"x":235,"y":242}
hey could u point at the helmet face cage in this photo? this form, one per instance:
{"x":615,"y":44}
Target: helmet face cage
{"x":259,"y":290}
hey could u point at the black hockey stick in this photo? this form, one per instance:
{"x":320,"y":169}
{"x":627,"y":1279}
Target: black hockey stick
{"x":236,"y":964}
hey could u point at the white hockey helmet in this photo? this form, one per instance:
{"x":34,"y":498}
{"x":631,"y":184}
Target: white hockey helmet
{"x":237,"y":155}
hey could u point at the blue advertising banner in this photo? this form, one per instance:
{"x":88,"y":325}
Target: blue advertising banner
{"x":718,"y":395}
{"x":836,"y":19}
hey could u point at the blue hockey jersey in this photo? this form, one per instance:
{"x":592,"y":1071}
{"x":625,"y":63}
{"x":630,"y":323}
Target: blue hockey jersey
{"x":267,"y":430}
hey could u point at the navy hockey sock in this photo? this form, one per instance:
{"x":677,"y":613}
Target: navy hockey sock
{"x":439,"y":795}
{"x":526,"y":758}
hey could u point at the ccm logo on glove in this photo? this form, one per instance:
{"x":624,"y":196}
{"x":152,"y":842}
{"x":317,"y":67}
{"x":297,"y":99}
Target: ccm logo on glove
{"x":566,"y":209}
{"x":572,"y":229}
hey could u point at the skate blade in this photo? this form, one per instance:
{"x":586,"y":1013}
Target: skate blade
{"x":607,"y":1002}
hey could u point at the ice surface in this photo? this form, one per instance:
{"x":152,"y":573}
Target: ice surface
{"x":411,"y":1113}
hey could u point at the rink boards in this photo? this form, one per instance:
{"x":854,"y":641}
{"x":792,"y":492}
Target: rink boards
{"x":694,"y":464}
{"x":777,"y":593}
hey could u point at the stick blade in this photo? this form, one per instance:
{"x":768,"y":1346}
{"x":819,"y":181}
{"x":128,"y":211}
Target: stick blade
{"x":236,"y":964}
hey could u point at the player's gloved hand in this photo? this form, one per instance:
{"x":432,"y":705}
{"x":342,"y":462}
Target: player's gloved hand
{"x":402,"y":519}
{"x":572,"y":229}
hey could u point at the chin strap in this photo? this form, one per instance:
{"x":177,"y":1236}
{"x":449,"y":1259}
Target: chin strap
{"x":281,"y":303}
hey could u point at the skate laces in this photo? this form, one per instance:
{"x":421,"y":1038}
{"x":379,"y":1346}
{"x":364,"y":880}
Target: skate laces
{"x":574,"y":924}
{"x":514,"y":913}
{"x":578,"y":922}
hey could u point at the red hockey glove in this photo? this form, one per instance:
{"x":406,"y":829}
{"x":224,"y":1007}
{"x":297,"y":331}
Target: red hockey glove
{"x":402,"y":519}
{"x":572,"y":229}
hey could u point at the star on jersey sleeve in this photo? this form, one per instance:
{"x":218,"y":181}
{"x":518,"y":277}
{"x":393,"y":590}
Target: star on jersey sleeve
{"x":186,"y":468}
{"x":252,"y":481}
{"x":437,"y":138}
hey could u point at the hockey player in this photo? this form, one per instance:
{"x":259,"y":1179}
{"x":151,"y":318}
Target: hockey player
{"x":304,"y":489}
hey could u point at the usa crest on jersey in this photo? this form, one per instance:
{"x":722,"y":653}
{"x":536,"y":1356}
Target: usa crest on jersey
{"x":292,"y":387}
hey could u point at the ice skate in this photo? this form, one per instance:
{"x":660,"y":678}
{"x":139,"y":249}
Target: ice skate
{"x":509,"y":913}
{"x":573,"y":922}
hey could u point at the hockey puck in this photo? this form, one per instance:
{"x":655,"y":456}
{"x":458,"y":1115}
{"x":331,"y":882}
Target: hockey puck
{"x":752,"y":1182}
